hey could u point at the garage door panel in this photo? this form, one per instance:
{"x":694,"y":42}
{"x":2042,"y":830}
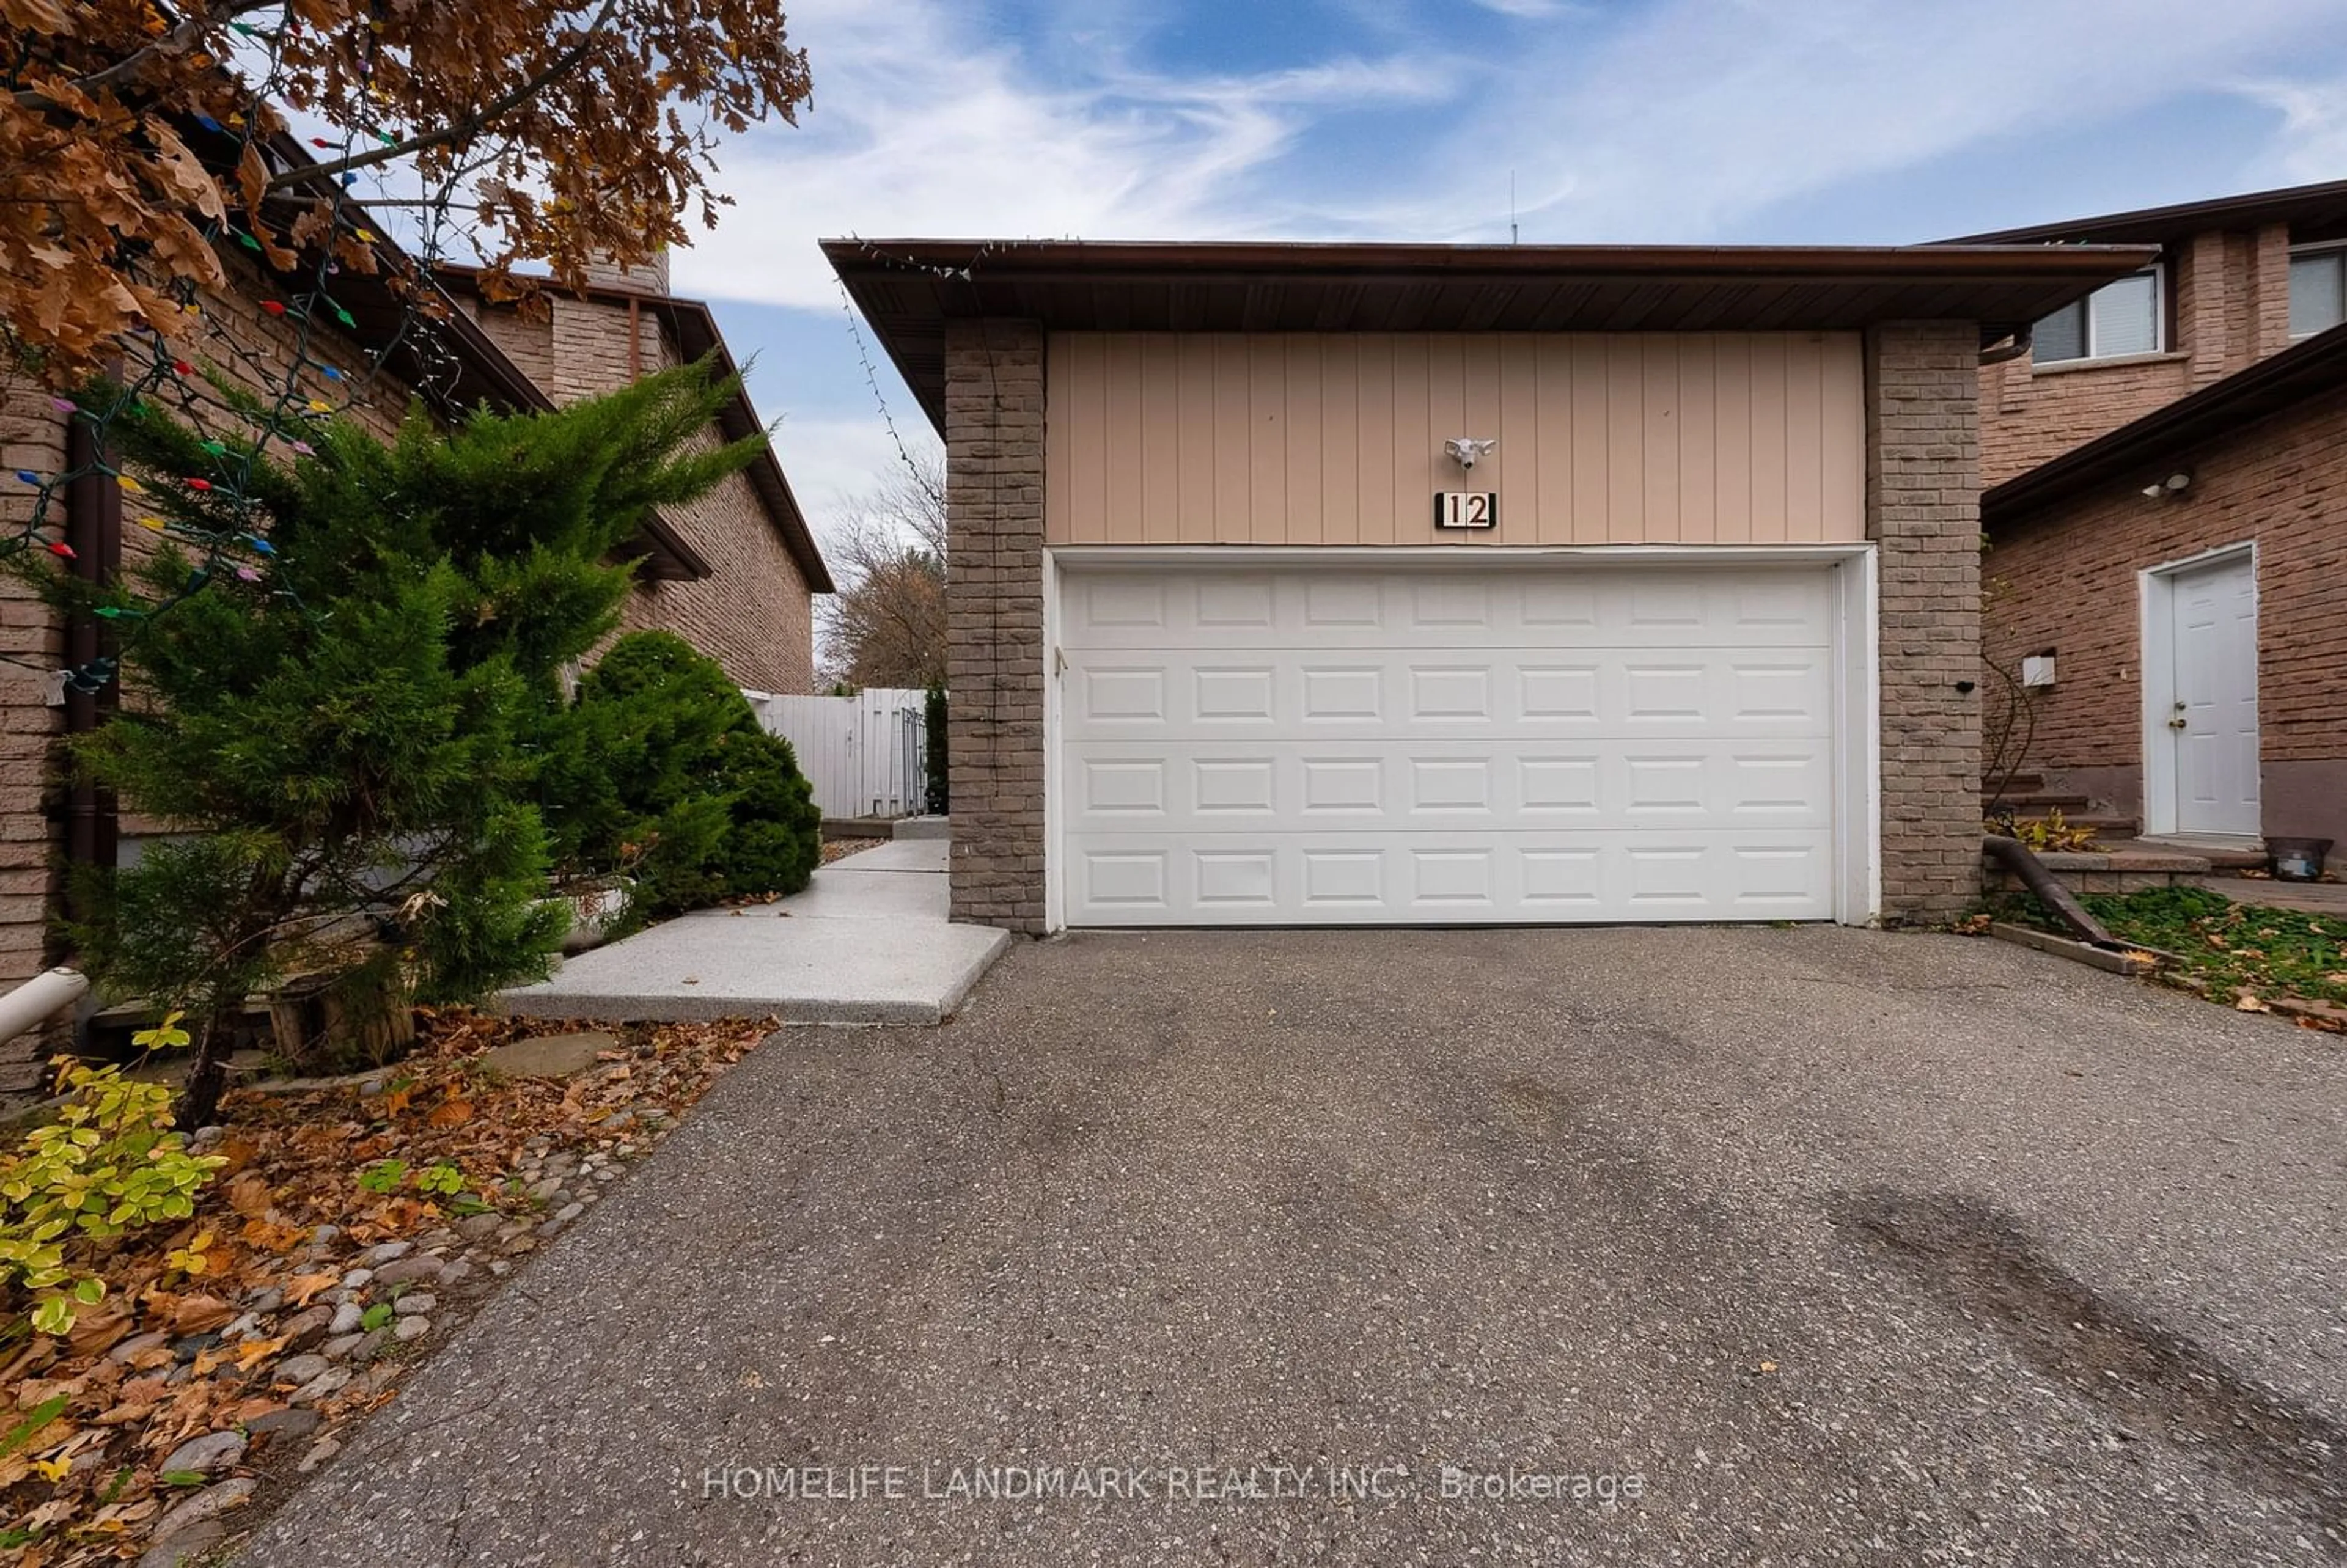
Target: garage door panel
{"x":1349,"y":787}
{"x":1526,"y":606}
{"x":1446,"y":878}
{"x":1453,"y":693}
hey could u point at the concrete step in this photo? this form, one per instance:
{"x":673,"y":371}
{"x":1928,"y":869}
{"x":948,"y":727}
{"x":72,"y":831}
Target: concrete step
{"x":2039,"y":804}
{"x":924,"y":828}
{"x":2019,"y":783}
{"x":2221,"y":861}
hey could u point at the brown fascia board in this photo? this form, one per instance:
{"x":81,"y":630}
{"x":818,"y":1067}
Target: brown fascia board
{"x":697,"y":334}
{"x":2272,"y":386}
{"x":1148,"y":260}
{"x":907,"y":289}
{"x":2325,"y":204}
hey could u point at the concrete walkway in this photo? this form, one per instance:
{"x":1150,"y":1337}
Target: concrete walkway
{"x":2312,"y":898}
{"x":1852,"y":1248}
{"x":868,"y":942}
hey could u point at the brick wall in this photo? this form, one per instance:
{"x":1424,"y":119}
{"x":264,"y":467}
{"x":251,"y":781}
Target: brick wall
{"x":994,"y":610}
{"x":2230,"y":307}
{"x":2064,"y":579}
{"x":31,"y":437}
{"x":752,"y":614}
{"x":1923,"y":513}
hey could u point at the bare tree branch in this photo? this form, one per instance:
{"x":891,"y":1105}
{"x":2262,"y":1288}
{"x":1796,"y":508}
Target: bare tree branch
{"x":464,"y":127}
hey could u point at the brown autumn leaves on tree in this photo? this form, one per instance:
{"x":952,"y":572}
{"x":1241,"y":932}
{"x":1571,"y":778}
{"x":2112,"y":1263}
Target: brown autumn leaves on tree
{"x":886,"y":624}
{"x":576,"y":129}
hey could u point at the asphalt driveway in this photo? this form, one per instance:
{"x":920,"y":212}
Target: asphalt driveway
{"x":1842,"y":1246}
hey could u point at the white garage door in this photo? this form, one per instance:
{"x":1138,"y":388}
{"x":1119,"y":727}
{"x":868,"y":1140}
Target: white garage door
{"x":1419,"y":745}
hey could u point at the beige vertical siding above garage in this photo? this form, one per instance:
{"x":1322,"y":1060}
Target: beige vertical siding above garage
{"x":1162,"y":438}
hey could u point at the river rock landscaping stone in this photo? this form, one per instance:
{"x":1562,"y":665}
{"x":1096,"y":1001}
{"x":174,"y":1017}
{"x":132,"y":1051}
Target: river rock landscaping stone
{"x":306,"y":1329}
{"x":387,"y":1252}
{"x":298,"y":1369}
{"x":324,"y":1385}
{"x":185,"y":1548}
{"x":203,"y":1455}
{"x":285,"y":1426}
{"x":347,"y":1317}
{"x":209,"y":1503}
{"x":407,"y":1330}
{"x":408,"y":1270}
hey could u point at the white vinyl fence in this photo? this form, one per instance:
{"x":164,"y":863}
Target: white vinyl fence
{"x":862,"y":754}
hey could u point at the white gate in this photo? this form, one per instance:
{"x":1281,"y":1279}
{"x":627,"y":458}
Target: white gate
{"x":862,"y":754}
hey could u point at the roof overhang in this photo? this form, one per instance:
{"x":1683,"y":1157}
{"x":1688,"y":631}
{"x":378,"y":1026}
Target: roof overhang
{"x":909,"y":289}
{"x":2311,"y":211}
{"x":2154,"y":444}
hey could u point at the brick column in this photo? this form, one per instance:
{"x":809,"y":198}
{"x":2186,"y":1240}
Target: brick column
{"x":1922,"y":510}
{"x":994,"y":619}
{"x":31,"y":437}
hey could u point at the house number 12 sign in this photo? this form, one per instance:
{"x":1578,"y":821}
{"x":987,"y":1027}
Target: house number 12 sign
{"x":1466,"y":509}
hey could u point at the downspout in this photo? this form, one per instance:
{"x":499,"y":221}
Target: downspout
{"x":2008,"y":348}
{"x":94,"y":531}
{"x":2015,"y":858}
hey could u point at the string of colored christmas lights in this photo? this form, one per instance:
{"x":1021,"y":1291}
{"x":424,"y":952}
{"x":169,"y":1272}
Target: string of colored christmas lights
{"x":245,"y":404}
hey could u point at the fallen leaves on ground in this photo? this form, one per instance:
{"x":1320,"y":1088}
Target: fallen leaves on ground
{"x":170,"y":1356}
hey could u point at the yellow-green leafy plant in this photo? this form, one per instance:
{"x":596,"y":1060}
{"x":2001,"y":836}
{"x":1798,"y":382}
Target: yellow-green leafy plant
{"x":2051,"y":832}
{"x":109,"y":1164}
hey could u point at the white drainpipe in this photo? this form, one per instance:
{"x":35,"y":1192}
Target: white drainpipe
{"x":39,"y":999}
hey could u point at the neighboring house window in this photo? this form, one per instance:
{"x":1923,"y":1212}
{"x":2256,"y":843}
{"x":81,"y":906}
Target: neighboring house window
{"x":2318,"y":290}
{"x":2122,"y":318}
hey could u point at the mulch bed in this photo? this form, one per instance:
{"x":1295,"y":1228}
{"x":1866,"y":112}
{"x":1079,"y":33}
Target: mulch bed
{"x":184,"y":1406}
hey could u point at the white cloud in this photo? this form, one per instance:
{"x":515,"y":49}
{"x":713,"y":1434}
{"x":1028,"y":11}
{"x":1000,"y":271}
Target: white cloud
{"x":2312,"y":144}
{"x":1698,"y":113}
{"x":1531,"y":10}
{"x":832,"y":460}
{"x":921,"y":125}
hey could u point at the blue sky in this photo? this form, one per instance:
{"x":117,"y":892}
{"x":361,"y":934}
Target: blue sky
{"x":1769,"y":121}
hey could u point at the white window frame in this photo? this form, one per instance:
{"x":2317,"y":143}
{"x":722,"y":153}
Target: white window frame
{"x":2157,"y":273}
{"x":2337,"y":248}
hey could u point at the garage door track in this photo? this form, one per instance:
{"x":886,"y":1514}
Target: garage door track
{"x":1698,"y":1245}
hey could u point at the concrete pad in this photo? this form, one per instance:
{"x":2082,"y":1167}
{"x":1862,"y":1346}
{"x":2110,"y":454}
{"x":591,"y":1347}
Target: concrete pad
{"x":715,"y":965}
{"x":847,"y":892}
{"x":924,"y":828}
{"x":901,"y":854}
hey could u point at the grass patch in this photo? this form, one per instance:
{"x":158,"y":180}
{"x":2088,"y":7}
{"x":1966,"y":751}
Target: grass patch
{"x":2225,"y":948}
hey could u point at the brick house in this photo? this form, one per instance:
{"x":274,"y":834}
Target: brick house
{"x":1238,"y":635}
{"x":733,"y":573}
{"x":737,"y":575}
{"x":2165,"y":515}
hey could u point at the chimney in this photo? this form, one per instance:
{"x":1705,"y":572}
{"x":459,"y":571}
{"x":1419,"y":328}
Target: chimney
{"x":647,"y":278}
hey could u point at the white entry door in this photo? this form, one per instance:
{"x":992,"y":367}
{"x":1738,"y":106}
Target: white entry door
{"x":2213,"y":716}
{"x":1510,"y":743}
